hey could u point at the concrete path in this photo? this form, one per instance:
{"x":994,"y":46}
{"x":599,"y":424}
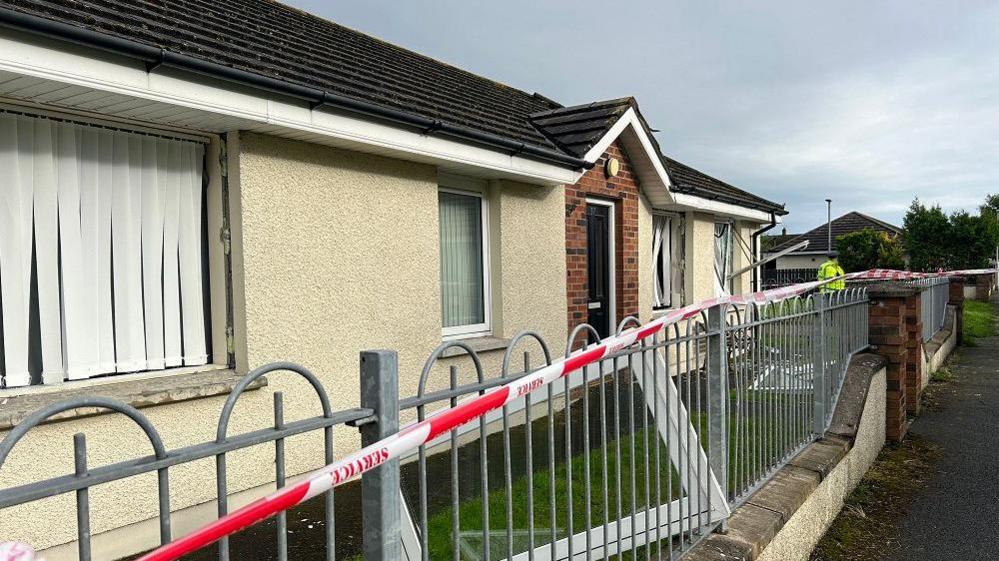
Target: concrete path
{"x":957,"y":516}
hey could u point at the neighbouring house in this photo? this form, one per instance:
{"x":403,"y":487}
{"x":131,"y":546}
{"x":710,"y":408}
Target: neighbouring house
{"x":190,"y":191}
{"x":805,"y":262}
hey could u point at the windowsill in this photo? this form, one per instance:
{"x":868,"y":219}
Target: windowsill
{"x":142,"y":389}
{"x":479,"y":344}
{"x":659,"y":312}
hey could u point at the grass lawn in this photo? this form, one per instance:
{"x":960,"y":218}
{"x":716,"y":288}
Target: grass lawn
{"x":745,"y":465}
{"x":979,"y":320}
{"x":632,"y":459}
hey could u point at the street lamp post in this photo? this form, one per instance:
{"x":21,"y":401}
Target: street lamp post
{"x":829,"y":224}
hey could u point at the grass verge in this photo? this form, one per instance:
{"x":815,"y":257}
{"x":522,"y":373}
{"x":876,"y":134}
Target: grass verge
{"x":979,"y":321}
{"x":867,"y":527}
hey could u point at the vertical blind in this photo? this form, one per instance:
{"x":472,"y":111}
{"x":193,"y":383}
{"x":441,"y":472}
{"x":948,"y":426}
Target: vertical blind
{"x":462,"y":290}
{"x":100,"y":251}
{"x":667,"y":261}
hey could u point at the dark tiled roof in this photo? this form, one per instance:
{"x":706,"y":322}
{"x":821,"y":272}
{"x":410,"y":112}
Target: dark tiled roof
{"x":270,"y":39}
{"x":266,"y":38}
{"x":686,"y":179}
{"x":818,"y":237}
{"x":576,"y":129}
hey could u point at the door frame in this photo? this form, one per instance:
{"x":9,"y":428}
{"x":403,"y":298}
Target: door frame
{"x":612,"y":262}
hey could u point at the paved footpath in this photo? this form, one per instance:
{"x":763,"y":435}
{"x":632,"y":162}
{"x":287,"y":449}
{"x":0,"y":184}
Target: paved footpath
{"x":957,"y":516}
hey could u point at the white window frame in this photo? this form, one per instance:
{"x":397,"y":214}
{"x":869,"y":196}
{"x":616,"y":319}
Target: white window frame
{"x":476,"y":329}
{"x":612,"y":261}
{"x":668,"y":263}
{"x":726,"y":284}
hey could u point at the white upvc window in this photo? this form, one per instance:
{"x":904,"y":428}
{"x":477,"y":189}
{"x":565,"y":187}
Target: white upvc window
{"x":102,"y":261}
{"x":667,"y":261}
{"x":724,"y":258}
{"x":464,"y":260}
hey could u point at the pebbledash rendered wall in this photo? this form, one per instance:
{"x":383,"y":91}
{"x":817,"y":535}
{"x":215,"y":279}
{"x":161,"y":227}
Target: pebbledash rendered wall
{"x":700,"y":271}
{"x":334,"y":252}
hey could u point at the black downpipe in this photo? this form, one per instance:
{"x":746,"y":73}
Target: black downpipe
{"x":756,"y":248}
{"x":154,"y":57}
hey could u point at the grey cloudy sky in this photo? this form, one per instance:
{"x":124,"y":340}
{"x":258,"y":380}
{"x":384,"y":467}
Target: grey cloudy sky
{"x":869,"y":103}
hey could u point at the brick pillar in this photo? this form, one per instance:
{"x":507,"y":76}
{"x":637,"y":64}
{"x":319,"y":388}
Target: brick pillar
{"x":914,"y":351}
{"x":889,"y":336}
{"x":983,"y":287}
{"x":956,"y":298}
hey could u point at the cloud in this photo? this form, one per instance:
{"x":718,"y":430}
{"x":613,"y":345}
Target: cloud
{"x":870,"y":104}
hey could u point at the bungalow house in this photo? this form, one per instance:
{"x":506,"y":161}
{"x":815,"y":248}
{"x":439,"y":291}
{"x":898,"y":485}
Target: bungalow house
{"x":188,"y":191}
{"x":636,"y":215}
{"x":804,"y":262}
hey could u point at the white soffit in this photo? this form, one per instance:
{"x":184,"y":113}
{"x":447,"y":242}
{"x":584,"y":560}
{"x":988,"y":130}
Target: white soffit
{"x":644,"y":157}
{"x":51,"y":73}
{"x":699,"y":204}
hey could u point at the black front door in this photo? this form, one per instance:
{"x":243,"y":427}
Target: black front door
{"x":598,"y":259}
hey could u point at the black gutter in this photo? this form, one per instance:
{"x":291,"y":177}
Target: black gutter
{"x":756,"y":248}
{"x":155,"y":57}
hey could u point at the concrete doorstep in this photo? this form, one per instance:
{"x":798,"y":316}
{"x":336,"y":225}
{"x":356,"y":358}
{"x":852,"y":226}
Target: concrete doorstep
{"x":788,"y":515}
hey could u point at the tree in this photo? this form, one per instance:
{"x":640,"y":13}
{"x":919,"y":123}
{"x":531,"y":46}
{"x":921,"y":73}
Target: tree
{"x":870,"y":249}
{"x":970,"y":242}
{"x":927,"y":237}
{"x":960,"y":241}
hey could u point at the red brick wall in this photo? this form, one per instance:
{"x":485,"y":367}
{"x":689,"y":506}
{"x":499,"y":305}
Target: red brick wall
{"x":886,"y":322}
{"x":914,"y":352}
{"x":623,"y":191}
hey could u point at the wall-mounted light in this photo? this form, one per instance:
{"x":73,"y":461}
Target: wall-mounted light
{"x":612,"y":167}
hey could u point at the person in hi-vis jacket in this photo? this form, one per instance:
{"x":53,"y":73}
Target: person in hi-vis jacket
{"x":830,"y":270}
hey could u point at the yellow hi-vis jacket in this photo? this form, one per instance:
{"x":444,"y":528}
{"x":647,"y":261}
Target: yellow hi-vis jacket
{"x":830,"y":270}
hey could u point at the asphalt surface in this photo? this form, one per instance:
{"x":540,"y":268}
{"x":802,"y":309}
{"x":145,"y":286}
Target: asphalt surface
{"x":957,"y":516}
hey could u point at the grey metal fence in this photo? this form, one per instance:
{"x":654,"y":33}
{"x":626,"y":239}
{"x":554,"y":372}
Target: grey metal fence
{"x":934,"y":294}
{"x":639,"y":456}
{"x":84,"y":478}
{"x":787,"y":360}
{"x":774,"y":278}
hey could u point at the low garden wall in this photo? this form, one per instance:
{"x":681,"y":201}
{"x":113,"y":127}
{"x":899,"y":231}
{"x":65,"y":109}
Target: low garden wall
{"x":785,"y":519}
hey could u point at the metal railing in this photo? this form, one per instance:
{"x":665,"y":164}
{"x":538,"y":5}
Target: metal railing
{"x":83,"y":479}
{"x":638,"y":456}
{"x":787,"y":363}
{"x":773,"y":278}
{"x":934,"y":294}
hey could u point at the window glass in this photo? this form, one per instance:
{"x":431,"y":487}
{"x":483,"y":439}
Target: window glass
{"x":724,"y":254}
{"x":462,"y":270}
{"x":101,"y":251}
{"x":668,"y":260}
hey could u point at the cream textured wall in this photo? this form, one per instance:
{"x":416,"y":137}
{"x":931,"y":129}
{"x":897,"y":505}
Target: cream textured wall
{"x":334,"y":252}
{"x":700,"y":256}
{"x":532,"y":260}
{"x":340,"y":255}
{"x":744,"y":255}
{"x":47,"y":452}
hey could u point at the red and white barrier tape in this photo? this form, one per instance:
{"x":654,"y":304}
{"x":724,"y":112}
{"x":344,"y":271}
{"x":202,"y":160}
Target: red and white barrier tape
{"x":417,"y":434}
{"x":14,"y":551}
{"x":892,"y":274}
